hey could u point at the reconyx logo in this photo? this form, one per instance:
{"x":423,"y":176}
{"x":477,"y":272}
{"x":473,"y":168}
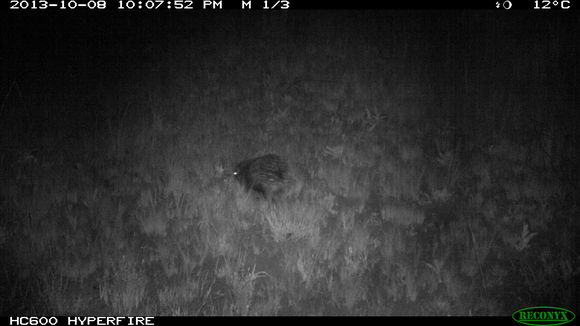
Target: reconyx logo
{"x":543,"y":316}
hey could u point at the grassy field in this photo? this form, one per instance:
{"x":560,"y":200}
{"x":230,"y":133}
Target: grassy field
{"x":433,"y":165}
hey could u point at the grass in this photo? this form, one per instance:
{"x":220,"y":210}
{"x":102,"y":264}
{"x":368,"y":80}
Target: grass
{"x":395,"y":205}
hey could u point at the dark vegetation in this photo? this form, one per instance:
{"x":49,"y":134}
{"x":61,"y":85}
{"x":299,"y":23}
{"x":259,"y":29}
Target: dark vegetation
{"x":434,"y":163}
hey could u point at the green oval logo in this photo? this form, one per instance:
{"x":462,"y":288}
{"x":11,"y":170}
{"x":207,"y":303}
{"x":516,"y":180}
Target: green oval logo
{"x":543,"y":316}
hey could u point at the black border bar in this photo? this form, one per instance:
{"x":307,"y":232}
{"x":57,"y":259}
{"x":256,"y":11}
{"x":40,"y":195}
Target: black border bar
{"x":280,"y":5}
{"x":256,"y":321}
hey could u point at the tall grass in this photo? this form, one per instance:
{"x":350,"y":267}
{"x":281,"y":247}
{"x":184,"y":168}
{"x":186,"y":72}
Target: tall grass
{"x":400,"y":202}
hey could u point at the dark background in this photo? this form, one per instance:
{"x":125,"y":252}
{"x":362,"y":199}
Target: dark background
{"x":100,"y":109}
